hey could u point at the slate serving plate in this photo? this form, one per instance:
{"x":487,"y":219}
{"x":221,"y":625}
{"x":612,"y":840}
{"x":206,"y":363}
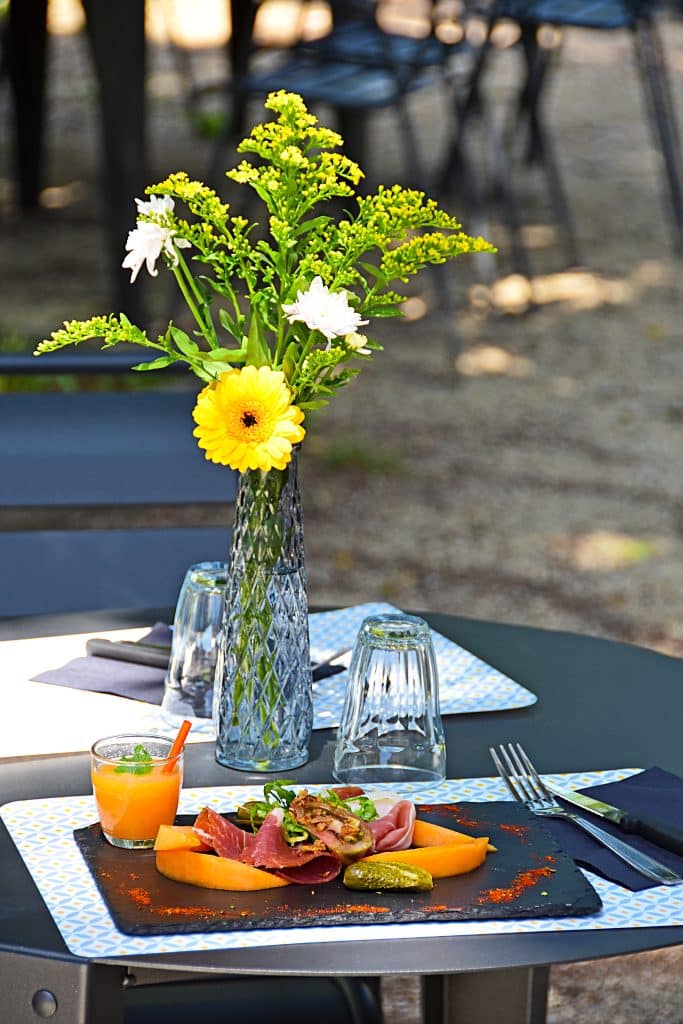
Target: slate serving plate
{"x":529,"y":876}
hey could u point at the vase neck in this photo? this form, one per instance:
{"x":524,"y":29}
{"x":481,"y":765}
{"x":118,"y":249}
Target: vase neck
{"x":268,"y":529}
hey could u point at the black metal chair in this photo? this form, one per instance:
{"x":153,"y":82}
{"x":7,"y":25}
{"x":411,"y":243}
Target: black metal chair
{"x":357,"y":68}
{"x":529,"y":125}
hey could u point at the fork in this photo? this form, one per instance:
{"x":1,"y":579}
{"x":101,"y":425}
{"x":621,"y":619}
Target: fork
{"x":526,"y":786}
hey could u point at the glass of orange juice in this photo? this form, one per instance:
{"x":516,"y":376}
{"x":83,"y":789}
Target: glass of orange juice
{"x":136,"y":787}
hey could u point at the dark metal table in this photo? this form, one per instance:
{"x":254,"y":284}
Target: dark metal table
{"x":600,"y":705}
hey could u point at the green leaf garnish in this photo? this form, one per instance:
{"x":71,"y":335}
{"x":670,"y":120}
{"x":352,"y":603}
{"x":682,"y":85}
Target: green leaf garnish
{"x":137,"y":763}
{"x":361,"y":806}
{"x":276,"y":794}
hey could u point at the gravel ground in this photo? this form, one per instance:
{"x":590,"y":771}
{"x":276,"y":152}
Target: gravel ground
{"x":533,"y":474}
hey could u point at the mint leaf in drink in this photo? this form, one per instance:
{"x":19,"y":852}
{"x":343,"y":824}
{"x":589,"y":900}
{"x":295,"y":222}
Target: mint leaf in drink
{"x":137,"y":763}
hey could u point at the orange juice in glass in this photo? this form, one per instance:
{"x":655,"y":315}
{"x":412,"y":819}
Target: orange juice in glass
{"x":136,"y":787}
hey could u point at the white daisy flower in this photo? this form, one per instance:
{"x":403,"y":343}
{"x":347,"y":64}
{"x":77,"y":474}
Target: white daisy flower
{"x":148,"y":240}
{"x":324,"y":311}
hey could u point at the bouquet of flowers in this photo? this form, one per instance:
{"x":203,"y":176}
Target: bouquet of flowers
{"x":276,"y":320}
{"x":279,"y":317}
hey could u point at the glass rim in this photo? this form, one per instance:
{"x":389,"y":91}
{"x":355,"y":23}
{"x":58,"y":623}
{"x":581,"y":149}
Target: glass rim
{"x":206,"y":576}
{"x":127,"y":738}
{"x":393,"y":628}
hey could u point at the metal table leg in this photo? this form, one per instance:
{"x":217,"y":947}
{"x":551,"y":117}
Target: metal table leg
{"x":34,"y":989}
{"x":514,"y":996}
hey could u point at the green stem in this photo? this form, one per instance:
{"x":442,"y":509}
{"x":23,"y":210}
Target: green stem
{"x":264,"y":548}
{"x":191,"y":304}
{"x":189,"y":277}
{"x":302,"y":355}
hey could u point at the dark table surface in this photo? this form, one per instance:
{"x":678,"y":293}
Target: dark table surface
{"x":600,"y":705}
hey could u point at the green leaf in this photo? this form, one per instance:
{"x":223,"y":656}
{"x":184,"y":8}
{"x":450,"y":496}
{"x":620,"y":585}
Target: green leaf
{"x":290,"y":359}
{"x":311,"y":225}
{"x":203,"y":374}
{"x":156,"y":364}
{"x":184,"y":343}
{"x":215,"y":369}
{"x":372,"y":271}
{"x":227,"y":355}
{"x":315,"y":403}
{"x":277,"y":794}
{"x":227,"y":321}
{"x":362,"y":806}
{"x":373,"y":311}
{"x":257,"y":353}
{"x":209,"y":282}
{"x":137,"y":763}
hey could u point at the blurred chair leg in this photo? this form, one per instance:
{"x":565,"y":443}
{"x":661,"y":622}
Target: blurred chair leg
{"x":411,"y":148}
{"x":662,"y":115}
{"x":468,"y":101}
{"x":458,"y":167}
{"x":242,"y":20}
{"x":117,"y":39}
{"x":503,"y":175}
{"x":26,"y":60}
{"x":541,"y":144}
{"x":538,"y":58}
{"x":352,"y":125}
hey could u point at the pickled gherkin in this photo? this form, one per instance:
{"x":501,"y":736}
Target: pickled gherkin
{"x":374,"y":876}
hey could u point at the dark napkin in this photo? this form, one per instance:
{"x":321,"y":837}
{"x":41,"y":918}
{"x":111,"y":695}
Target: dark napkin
{"x":653,"y":792}
{"x":120,"y":678}
{"x":125,"y":678}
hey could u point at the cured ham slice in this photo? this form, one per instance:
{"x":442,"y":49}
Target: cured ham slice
{"x":346,"y":792}
{"x":221,"y":835}
{"x":304,"y":863}
{"x":394,"y":831}
{"x":324,"y":868}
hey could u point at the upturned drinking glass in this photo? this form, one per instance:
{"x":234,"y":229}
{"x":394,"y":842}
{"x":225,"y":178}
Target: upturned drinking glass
{"x":197,"y":630}
{"x":390,"y":729}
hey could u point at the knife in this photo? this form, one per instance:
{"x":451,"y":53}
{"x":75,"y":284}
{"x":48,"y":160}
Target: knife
{"x":153,"y":655}
{"x":157,"y":655}
{"x":667,"y":836}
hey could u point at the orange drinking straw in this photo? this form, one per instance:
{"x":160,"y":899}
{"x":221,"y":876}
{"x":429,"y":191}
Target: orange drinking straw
{"x":178,"y":744}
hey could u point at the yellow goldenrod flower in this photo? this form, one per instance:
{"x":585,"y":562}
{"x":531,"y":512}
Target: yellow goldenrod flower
{"x":246,"y":420}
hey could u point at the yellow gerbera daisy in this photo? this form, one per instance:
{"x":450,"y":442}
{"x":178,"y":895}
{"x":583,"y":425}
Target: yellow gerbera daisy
{"x":246,"y":420}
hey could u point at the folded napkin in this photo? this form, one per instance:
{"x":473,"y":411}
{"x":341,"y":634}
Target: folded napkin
{"x":127,"y":679}
{"x":120,"y":678}
{"x":653,"y":792}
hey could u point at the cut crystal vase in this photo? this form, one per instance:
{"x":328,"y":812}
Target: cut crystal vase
{"x":263,"y":692}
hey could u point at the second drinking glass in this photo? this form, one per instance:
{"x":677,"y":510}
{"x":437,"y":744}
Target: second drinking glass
{"x":391,"y":729}
{"x":197,"y":628}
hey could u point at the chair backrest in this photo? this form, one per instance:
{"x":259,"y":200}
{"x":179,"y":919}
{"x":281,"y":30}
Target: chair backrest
{"x":596,"y":14}
{"x":357,"y":66}
{"x":99,"y":500}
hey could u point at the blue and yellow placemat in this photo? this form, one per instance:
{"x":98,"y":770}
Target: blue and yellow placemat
{"x":43,"y":833}
{"x":466,"y":683}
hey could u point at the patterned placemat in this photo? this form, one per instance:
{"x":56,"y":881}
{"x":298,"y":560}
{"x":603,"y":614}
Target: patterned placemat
{"x":466,"y":683}
{"x":42,"y":831}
